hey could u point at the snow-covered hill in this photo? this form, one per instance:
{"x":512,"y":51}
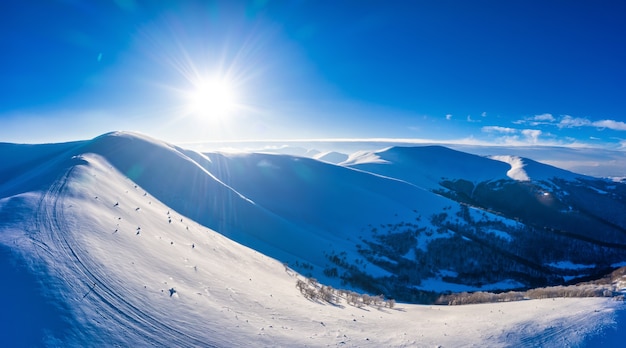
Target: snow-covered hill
{"x":560,"y":208}
{"x":428,"y":166}
{"x":331,"y":157}
{"x":295,"y":209}
{"x":126,"y":240}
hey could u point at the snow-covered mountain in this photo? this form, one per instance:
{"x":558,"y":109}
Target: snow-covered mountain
{"x":124,"y":239}
{"x":428,"y":166}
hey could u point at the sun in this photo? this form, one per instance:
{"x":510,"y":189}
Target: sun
{"x":212,"y":98}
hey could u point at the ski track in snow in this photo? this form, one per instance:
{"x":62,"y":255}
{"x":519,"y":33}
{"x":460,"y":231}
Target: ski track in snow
{"x":49,"y":217}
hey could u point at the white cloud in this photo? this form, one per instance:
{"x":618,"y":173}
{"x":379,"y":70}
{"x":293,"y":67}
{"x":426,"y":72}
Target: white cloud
{"x":511,"y":137}
{"x":484,"y":114}
{"x":570,"y":122}
{"x":448,"y":117}
{"x":610,"y":124}
{"x":532,"y":135}
{"x":498,"y":129}
{"x":544,"y":117}
{"x":537,"y":120}
{"x":469,"y":119}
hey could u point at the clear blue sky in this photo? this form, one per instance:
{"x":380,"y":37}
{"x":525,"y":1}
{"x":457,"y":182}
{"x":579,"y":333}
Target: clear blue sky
{"x":507,"y":72}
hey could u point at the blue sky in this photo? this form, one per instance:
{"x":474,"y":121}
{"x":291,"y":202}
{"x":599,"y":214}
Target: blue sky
{"x":479,"y":72}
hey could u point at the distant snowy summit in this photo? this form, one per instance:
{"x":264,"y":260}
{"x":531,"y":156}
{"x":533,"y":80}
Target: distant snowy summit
{"x":429,"y":165}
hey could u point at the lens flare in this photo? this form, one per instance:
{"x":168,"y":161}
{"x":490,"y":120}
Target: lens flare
{"x":212,"y":98}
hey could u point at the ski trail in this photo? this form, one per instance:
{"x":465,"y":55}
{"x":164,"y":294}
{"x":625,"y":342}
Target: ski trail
{"x":558,"y":332}
{"x":90,"y":278}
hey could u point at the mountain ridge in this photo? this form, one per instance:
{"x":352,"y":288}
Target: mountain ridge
{"x":334,"y":221}
{"x":113,"y":262}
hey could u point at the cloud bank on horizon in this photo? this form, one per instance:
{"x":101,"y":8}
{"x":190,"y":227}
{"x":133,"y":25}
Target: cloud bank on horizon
{"x":489,"y":73}
{"x":545,"y":126}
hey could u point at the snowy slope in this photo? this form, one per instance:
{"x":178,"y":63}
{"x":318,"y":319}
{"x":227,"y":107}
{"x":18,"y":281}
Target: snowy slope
{"x":179,"y":179}
{"x":524,"y":169}
{"x":294,"y":209}
{"x":331,"y":157}
{"x":427,"y":166}
{"x":303,"y":190}
{"x":352,"y":228}
{"x":113,"y":265}
{"x":534,"y":193}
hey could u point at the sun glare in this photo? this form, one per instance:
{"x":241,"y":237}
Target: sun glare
{"x":212,"y":99}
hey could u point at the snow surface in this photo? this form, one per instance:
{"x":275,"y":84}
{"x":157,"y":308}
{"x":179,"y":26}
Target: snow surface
{"x":103,"y":262}
{"x":428,"y":166}
{"x":524,"y":169}
{"x":331,"y":157}
{"x":297,"y":189}
{"x":596,"y":162}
